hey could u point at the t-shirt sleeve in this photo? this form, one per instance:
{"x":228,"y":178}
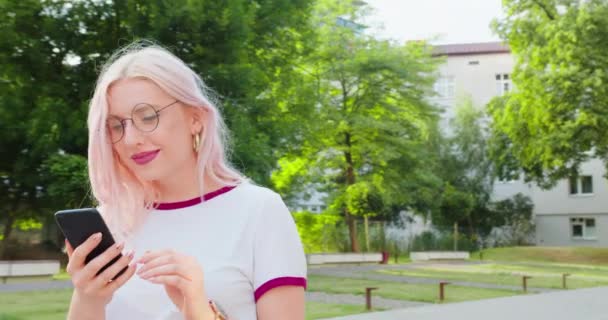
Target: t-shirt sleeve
{"x":278,"y":257}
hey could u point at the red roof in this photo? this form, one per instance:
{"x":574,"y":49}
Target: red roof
{"x":471,"y":48}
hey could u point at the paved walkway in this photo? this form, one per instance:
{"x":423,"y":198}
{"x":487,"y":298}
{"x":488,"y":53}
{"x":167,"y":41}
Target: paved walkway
{"x":365,"y":272}
{"x":582,"y":304}
{"x":34,"y":286}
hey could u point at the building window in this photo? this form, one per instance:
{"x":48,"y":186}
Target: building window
{"x":503,"y":83}
{"x":581,"y":185}
{"x":445,"y":87}
{"x":583,"y":228}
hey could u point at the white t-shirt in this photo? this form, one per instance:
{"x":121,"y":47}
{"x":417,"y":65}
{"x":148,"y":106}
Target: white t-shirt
{"x":244,"y":238}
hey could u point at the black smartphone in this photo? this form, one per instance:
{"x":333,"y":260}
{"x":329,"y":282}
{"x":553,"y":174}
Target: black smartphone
{"x":78,"y":225}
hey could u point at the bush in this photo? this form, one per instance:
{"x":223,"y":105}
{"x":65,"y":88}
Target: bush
{"x":443,"y":241}
{"x":320,"y":232}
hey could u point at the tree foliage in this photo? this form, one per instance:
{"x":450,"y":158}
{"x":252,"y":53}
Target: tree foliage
{"x":556,"y":118}
{"x":467,"y":172}
{"x":51,"y":52}
{"x":372,"y":124}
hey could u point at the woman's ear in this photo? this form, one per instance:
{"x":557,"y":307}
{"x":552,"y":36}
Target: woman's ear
{"x":196,"y":119}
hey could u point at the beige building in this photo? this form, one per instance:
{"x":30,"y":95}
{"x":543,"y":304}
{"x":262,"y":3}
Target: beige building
{"x":575,"y":211}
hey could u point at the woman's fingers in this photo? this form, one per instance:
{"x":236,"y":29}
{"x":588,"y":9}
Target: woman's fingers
{"x":123,"y":278}
{"x":110,"y":273}
{"x":155,"y":262}
{"x":68,"y":249}
{"x":93,"y":267}
{"x":150,"y":255}
{"x":78,"y":256}
{"x":172,"y":280}
{"x":165,"y":270}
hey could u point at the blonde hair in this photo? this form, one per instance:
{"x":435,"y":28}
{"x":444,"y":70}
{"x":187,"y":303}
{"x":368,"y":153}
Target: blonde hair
{"x":123,"y":198}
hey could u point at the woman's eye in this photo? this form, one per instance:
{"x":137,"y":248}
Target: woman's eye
{"x":150,"y":118}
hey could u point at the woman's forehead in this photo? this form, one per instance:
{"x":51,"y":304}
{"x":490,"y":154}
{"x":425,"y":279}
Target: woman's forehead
{"x":124,"y":94}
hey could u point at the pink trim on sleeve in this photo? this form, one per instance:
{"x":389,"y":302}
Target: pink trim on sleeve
{"x":278,"y":282}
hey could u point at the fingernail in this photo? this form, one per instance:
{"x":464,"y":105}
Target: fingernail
{"x":131,"y":254}
{"x":97,"y":236}
{"x":120,"y":245}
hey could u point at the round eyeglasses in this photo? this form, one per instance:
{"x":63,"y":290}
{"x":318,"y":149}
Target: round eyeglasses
{"x":144,"y":117}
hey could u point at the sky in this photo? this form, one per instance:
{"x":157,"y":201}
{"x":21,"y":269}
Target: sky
{"x":442,"y":21}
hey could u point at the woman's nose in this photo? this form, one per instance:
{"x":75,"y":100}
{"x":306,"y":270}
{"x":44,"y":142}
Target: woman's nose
{"x":131,"y":134}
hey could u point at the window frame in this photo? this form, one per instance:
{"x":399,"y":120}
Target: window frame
{"x":504,"y":84}
{"x":586,"y":233}
{"x":445,"y":87}
{"x":576,"y":183}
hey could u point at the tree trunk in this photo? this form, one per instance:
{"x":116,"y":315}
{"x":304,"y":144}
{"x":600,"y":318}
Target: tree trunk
{"x":8,"y":229}
{"x":352,"y":231}
{"x":350,"y":180}
{"x":366,"y":225}
{"x":455,"y":236}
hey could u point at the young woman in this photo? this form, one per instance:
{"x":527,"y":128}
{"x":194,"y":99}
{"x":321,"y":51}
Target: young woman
{"x":196,"y":235}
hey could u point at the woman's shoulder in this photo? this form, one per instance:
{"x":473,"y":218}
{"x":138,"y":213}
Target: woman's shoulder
{"x":256,"y":192}
{"x":260,"y":201}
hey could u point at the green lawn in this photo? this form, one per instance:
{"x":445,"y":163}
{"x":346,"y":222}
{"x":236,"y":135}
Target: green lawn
{"x":35,"y":305}
{"x":545,"y":276}
{"x":402,"y":291}
{"x":53,"y":305}
{"x":588,"y":266}
{"x":567,"y":255}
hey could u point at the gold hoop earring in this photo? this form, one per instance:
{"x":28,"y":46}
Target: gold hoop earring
{"x":196,"y":145}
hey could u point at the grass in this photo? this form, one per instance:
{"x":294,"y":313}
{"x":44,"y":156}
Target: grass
{"x":62,"y":275}
{"x":588,"y":266}
{"x":405,"y":259}
{"x":53,"y":305}
{"x":38,"y":305}
{"x":511,"y":274}
{"x":567,"y":255}
{"x":402,"y":291}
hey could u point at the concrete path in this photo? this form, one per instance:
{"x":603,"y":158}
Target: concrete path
{"x":582,"y":304}
{"x":34,"y":286}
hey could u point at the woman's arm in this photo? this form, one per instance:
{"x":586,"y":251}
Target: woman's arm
{"x":285,"y":302}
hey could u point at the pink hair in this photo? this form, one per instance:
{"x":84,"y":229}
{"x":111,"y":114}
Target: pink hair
{"x":123,"y":198}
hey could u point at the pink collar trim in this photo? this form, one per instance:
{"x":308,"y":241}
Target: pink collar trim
{"x":194,"y":201}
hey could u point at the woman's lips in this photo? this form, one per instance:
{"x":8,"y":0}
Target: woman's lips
{"x":144,"y":157}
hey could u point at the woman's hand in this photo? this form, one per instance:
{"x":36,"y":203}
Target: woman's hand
{"x":92,"y":291}
{"x":182,"y":277}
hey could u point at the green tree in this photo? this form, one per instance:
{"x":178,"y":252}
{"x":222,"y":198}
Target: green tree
{"x":467,"y":172}
{"x":50,"y":52}
{"x":517,"y":223}
{"x":367,"y":148}
{"x":555,"y":119}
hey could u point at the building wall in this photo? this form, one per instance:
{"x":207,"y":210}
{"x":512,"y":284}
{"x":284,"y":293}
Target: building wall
{"x":559,"y":201}
{"x":475,"y":75}
{"x":556,"y":230}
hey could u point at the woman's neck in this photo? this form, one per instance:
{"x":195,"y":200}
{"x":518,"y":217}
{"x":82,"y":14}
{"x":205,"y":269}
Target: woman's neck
{"x":184,"y":186}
